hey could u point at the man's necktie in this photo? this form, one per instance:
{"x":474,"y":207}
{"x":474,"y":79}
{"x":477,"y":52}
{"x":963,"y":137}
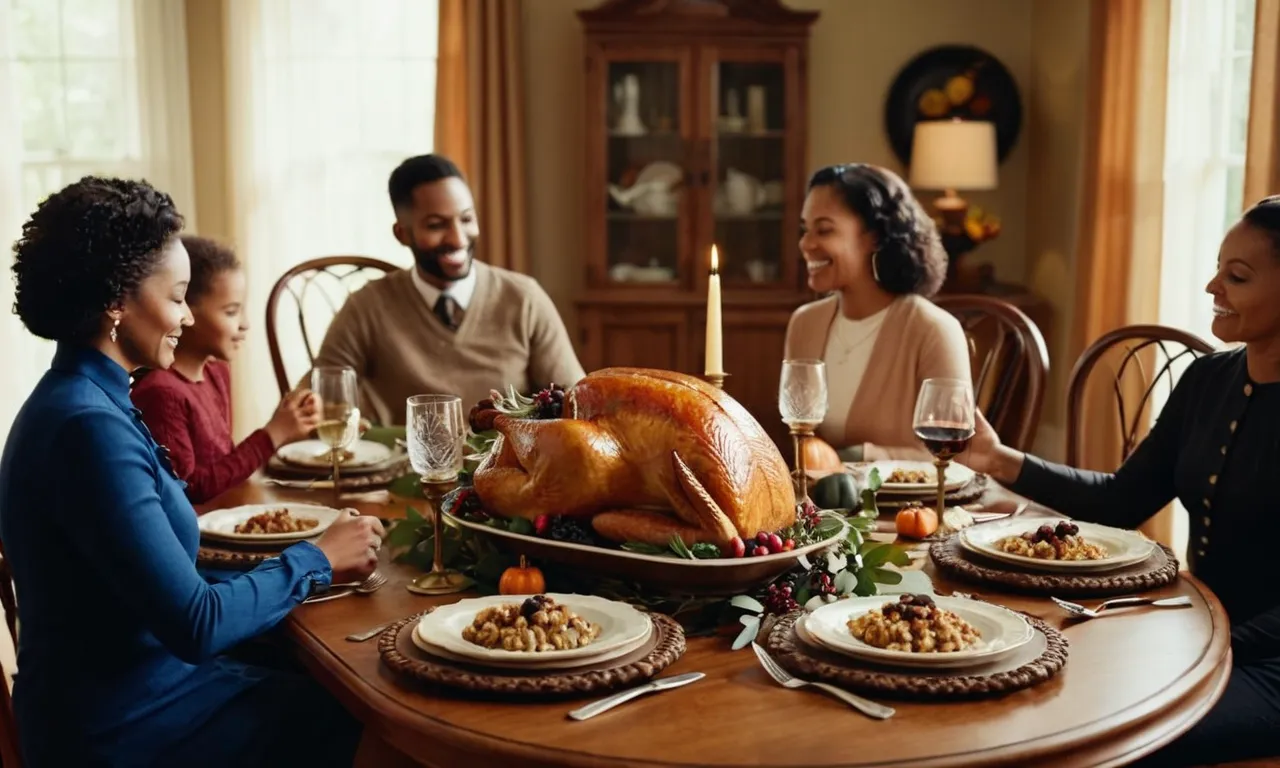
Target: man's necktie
{"x":445,"y":309}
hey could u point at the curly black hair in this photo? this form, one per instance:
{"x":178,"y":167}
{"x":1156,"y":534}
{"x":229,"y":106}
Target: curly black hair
{"x":909,"y":255}
{"x":1265,"y":215}
{"x":85,"y":249}
{"x":209,"y":258}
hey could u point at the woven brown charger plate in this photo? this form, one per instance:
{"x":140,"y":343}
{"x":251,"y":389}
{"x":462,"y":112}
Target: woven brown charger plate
{"x":406,"y":659}
{"x":1031,"y":665}
{"x":966,"y":494}
{"x":952,"y":560}
{"x":381,"y":476}
{"x":228,"y":558}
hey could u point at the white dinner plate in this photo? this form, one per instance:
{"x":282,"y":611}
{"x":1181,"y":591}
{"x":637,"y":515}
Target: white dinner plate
{"x":314,"y":453}
{"x":620,"y":625}
{"x":523,"y":663}
{"x":1001,"y":631}
{"x":221,"y":524}
{"x":958,"y":476}
{"x":1123,"y":547}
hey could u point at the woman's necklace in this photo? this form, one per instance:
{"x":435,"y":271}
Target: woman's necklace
{"x":845,"y":346}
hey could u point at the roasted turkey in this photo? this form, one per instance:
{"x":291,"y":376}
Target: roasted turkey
{"x":645,"y":454}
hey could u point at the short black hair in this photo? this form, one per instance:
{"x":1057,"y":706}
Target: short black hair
{"x":85,"y":249}
{"x":909,"y":253}
{"x":209,"y":258}
{"x":1265,"y":215}
{"x":416,"y":171}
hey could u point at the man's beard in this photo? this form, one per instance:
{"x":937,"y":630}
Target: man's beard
{"x":429,"y":261}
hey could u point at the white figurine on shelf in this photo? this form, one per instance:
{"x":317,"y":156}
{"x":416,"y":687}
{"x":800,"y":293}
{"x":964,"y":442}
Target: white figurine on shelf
{"x":627,"y":93}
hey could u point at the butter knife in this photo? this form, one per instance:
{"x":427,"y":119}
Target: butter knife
{"x":609,"y":702}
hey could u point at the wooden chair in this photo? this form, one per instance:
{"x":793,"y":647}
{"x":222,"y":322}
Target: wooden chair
{"x":317,"y":289}
{"x":10,"y":754}
{"x":1010,"y":364}
{"x":1152,"y":353}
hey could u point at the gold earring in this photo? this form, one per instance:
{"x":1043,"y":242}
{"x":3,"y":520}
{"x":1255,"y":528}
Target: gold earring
{"x":113,"y":329}
{"x":875,"y":266}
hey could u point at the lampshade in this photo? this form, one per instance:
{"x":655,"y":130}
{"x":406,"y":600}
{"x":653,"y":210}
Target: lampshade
{"x":953,"y":154}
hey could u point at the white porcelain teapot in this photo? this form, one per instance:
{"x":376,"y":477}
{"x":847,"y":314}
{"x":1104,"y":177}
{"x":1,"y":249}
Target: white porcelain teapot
{"x":743,"y":193}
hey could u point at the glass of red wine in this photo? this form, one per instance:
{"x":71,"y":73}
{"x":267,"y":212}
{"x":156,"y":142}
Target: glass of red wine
{"x":944,"y":423}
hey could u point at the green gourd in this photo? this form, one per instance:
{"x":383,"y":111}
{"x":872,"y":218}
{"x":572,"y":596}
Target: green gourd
{"x":836,"y":491}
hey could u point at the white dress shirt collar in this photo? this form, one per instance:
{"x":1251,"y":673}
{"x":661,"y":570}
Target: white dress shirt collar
{"x":460,"y":291}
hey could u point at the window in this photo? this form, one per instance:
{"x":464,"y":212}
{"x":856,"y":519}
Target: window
{"x":326,"y":98}
{"x":86,"y":87}
{"x":1206,"y":128}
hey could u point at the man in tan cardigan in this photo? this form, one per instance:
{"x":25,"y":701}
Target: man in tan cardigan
{"x":449,"y":324}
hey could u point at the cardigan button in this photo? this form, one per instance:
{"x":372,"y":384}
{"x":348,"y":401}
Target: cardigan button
{"x":1204,"y":539}
{"x":1213,"y":479}
{"x":1248,"y":390}
{"x":1234,"y":424}
{"x":1206,"y":521}
{"x":1199,"y":553}
{"x":1223,"y":450}
{"x":1206,"y":504}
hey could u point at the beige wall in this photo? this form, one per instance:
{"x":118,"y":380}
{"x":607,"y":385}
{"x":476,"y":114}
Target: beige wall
{"x":206,"y":71}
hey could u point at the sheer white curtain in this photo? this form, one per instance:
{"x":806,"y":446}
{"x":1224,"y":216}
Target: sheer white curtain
{"x":325,"y":98}
{"x":1206,"y":120}
{"x":85,"y":88}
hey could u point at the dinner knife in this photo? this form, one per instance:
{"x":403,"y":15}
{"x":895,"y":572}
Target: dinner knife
{"x":609,"y":702}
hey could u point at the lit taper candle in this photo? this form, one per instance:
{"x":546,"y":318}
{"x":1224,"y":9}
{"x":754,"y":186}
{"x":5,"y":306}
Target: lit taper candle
{"x":715,"y":340}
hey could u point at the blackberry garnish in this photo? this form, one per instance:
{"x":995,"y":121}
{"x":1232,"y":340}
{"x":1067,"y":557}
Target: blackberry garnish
{"x":571,"y":530}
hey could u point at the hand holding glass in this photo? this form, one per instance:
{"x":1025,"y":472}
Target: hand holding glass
{"x":802,"y":400}
{"x":944,"y":423}
{"x":436,"y":432}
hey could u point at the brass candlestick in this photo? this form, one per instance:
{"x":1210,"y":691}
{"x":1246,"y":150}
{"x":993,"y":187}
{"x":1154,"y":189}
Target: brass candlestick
{"x":440,"y":580}
{"x":716,"y":379}
{"x":799,"y":433}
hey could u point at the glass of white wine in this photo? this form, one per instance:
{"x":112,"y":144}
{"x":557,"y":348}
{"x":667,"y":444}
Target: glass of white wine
{"x":335,"y":387}
{"x":436,"y":432}
{"x":802,"y":401}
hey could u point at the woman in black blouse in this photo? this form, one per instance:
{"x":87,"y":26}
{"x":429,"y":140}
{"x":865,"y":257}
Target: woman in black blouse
{"x":1216,"y":448}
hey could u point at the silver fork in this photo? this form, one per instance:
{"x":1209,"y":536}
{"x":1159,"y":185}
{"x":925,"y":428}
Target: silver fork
{"x":370,"y":585}
{"x":786,"y":680}
{"x":1120,"y":602}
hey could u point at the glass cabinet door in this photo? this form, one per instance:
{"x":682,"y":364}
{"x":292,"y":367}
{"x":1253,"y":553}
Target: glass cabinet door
{"x":754,"y":223}
{"x":644,"y":163}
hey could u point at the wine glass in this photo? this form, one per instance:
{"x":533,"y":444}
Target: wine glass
{"x":802,"y":400}
{"x":335,"y":387}
{"x":436,"y":432}
{"x":944,"y":423}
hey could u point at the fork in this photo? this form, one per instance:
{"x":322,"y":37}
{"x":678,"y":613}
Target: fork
{"x":370,"y":585}
{"x":1120,"y":602}
{"x":786,"y":680}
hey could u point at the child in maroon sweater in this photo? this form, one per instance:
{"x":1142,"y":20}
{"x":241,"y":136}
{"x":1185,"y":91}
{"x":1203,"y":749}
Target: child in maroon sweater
{"x":188,"y":406}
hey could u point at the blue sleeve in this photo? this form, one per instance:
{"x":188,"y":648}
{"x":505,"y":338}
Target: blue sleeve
{"x":115,"y":519}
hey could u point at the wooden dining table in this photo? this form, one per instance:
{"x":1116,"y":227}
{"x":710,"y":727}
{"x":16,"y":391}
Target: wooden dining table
{"x":1134,"y":681}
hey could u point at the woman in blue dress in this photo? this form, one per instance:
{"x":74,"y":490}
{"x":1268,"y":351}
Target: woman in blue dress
{"x":120,"y":640}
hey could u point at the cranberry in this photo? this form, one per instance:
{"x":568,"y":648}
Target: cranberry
{"x":737,"y":547}
{"x":760,"y":551}
{"x":788,"y":545}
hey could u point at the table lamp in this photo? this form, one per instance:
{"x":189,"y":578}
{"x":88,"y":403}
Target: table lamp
{"x":953,"y":155}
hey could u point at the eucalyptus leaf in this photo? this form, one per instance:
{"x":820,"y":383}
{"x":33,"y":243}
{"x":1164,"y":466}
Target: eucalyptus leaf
{"x":747,"y":603}
{"x":407,"y":486}
{"x":865,"y":586}
{"x":885,"y":576}
{"x":751,"y":628}
{"x":873,"y":480}
{"x":898,"y":556}
{"x":802,"y":595}
{"x":403,"y":533}
{"x":876,"y":555}
{"x":520,"y":525}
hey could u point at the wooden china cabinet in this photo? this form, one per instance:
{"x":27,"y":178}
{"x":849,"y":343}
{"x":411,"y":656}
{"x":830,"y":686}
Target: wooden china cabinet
{"x":696,"y":135}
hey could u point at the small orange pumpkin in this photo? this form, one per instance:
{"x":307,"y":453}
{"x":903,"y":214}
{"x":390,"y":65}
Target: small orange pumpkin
{"x":819,"y":455}
{"x":522,"y":579}
{"x":916,"y":522}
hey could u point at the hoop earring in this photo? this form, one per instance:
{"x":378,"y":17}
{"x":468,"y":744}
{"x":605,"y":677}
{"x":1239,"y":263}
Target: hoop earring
{"x":875,"y":266}
{"x":113,"y":329}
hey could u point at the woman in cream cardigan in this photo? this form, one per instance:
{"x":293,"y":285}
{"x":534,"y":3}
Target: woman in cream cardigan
{"x":870,"y":245}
